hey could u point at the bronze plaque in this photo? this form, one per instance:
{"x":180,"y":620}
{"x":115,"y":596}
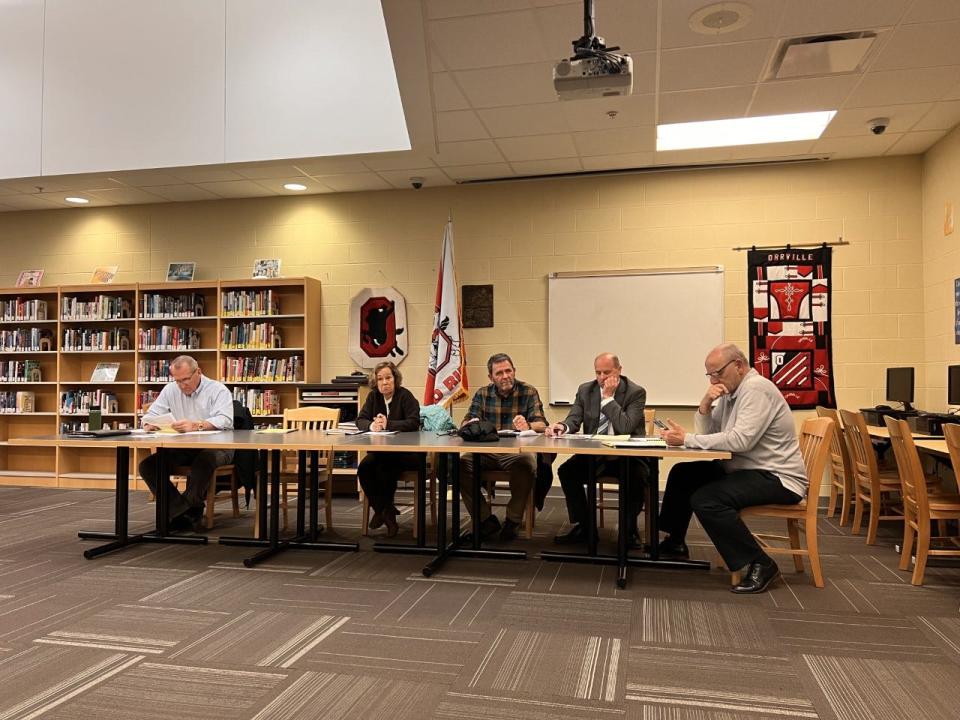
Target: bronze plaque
{"x":477,"y":305}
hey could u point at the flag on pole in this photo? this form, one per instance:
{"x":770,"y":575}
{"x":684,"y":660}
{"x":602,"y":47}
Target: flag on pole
{"x":447,"y":369}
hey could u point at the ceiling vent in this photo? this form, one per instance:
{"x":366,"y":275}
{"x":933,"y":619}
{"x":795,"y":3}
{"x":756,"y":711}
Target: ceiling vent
{"x":821,"y":55}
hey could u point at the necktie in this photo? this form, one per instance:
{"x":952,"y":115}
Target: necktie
{"x":604,"y":425}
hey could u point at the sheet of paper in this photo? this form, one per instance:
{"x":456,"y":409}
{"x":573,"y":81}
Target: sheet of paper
{"x":161,"y":421}
{"x":381,"y":432}
{"x":610,"y":437}
{"x":276,"y":431}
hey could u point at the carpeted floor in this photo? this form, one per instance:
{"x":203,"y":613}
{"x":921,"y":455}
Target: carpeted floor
{"x":186,"y":632}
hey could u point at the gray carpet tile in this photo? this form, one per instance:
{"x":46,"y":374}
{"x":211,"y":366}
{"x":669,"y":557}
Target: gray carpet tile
{"x":609,"y":617}
{"x":695,"y":624}
{"x":457,"y":705}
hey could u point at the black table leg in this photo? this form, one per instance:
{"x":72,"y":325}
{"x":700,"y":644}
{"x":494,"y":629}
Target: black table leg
{"x":301,"y":492}
{"x":592,"y":481}
{"x":308,"y":541}
{"x":262,"y":489}
{"x":624,"y":524}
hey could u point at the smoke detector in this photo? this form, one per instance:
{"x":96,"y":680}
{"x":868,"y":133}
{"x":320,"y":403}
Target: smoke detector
{"x":721,"y":18}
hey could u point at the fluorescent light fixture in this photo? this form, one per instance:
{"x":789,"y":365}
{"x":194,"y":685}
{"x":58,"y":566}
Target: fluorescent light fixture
{"x":77,"y":200}
{"x":743,"y":131}
{"x":294,"y":186}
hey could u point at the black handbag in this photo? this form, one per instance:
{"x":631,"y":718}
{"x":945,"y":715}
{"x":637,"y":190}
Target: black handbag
{"x":479,"y":431}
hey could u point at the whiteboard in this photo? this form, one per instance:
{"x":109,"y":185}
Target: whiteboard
{"x":662,"y":323}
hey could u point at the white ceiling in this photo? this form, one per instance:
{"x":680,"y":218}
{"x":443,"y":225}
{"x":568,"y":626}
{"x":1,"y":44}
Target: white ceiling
{"x":475,"y":77}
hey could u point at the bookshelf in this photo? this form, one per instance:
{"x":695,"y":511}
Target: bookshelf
{"x":265,"y":332}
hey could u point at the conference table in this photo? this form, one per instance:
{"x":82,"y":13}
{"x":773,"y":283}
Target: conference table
{"x":449,"y":449}
{"x":933,"y":445}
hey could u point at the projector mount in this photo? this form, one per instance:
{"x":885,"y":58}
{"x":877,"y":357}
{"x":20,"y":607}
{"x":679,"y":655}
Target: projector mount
{"x":590,"y":45}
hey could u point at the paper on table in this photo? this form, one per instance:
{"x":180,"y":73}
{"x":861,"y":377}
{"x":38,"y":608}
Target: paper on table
{"x":573,"y":436}
{"x":381,"y":432}
{"x":275,"y":431}
{"x":610,"y":437}
{"x":516,"y":433}
{"x":636,"y":443}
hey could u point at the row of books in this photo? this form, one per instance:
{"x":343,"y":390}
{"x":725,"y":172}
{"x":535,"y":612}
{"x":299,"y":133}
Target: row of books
{"x":172,"y":306}
{"x":80,"y":401}
{"x":17,"y":402}
{"x":145,"y":397}
{"x":22,"y":309}
{"x":167,"y":337}
{"x":250,"y":302}
{"x":101,"y":307}
{"x":89,"y":339}
{"x":259,"y":368}
{"x":23,"y":339}
{"x":153,"y":371}
{"x":258,"y":402}
{"x":72,"y":426}
{"x":20,"y":371}
{"x":250,"y":335}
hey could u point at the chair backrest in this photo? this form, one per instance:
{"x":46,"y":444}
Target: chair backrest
{"x":839,"y":453}
{"x":863,"y":459}
{"x":311,"y":418}
{"x":815,"y":435}
{"x":242,"y":418}
{"x":648,"y":415}
{"x":913,"y":485}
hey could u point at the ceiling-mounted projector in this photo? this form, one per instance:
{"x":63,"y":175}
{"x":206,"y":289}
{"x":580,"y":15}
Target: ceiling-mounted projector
{"x":594,"y":70}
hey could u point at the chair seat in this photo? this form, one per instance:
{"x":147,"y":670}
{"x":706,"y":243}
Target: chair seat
{"x":945,"y":503}
{"x":798,"y":509}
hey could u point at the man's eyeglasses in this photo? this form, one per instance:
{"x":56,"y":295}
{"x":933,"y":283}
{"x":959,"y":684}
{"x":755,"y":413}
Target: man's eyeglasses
{"x":719,"y":371}
{"x":187,"y":379}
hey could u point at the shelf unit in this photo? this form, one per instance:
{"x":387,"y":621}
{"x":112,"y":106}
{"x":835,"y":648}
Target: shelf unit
{"x":160,"y":321}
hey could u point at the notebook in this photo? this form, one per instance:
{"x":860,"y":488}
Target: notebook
{"x":96,"y":433}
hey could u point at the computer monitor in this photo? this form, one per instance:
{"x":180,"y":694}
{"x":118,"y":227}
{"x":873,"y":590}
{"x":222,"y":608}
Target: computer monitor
{"x":953,"y":385}
{"x":900,"y":386}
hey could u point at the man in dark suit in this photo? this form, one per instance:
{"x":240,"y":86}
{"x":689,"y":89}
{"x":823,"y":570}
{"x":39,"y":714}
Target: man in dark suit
{"x":609,"y":405}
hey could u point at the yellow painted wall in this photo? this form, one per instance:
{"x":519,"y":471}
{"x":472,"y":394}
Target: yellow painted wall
{"x":514,"y":234}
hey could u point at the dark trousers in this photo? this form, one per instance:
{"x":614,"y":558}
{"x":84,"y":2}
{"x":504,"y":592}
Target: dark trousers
{"x":202,"y":463}
{"x":717,"y":498}
{"x":378,"y":473}
{"x":574,"y":473}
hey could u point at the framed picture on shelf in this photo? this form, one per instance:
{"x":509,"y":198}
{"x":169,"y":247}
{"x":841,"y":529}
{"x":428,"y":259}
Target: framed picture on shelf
{"x":105,"y":372}
{"x":29,"y":278}
{"x":266,"y":268}
{"x":181,"y":271}
{"x":104,"y":274}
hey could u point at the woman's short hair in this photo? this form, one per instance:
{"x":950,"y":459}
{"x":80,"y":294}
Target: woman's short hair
{"x":397,"y":377}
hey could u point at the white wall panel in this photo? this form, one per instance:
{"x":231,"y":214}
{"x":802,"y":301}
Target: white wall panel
{"x":310,"y":77}
{"x":132,"y":84}
{"x":21,"y":74}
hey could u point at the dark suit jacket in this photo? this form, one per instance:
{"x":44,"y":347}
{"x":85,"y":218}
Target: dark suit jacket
{"x":404,"y":411}
{"x":625,"y":411}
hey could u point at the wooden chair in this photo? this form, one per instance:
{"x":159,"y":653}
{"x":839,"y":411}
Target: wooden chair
{"x":841,"y":481}
{"x":871,"y":487}
{"x":649,"y":414}
{"x":815,"y":437}
{"x":308,"y":418}
{"x":409,"y":479}
{"x":500,"y":480}
{"x":920,"y":507}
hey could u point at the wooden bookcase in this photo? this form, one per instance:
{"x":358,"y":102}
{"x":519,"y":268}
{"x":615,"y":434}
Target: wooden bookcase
{"x":157,"y":321}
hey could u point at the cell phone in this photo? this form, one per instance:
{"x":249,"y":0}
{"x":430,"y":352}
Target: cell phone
{"x":660,"y":424}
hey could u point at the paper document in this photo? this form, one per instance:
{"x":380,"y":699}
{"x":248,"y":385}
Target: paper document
{"x":573,"y":436}
{"x":610,"y":437}
{"x":516,"y":433}
{"x":636,"y":443}
{"x":164,"y":422}
{"x":381,"y":432}
{"x":276,"y":431}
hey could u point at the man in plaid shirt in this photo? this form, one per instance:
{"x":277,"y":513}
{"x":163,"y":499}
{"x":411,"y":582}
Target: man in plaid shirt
{"x":510,"y":405}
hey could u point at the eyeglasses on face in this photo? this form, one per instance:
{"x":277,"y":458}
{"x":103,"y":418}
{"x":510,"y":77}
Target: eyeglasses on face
{"x":185,"y":380}
{"x":719,"y":371}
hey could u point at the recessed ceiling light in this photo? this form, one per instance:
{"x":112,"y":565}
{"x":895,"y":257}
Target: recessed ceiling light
{"x":720,"y":18}
{"x":743,"y":131}
{"x":77,"y":200}
{"x":294,"y":186}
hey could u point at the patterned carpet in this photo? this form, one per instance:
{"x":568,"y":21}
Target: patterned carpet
{"x":166,"y":631}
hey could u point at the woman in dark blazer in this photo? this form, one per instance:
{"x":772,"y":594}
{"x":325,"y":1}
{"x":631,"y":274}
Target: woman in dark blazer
{"x":388,"y":407}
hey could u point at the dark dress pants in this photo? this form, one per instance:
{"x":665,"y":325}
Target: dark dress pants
{"x":202,"y":463}
{"x":378,"y":473}
{"x":717,"y":497}
{"x":574,"y":474}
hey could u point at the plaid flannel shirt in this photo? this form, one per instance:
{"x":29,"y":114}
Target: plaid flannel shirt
{"x":522,"y":400}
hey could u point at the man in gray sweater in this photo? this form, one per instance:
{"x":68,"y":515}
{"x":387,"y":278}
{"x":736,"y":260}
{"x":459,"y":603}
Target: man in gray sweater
{"x":745,"y":414}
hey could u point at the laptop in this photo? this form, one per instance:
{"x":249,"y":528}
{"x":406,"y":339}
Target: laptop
{"x":96,"y":433}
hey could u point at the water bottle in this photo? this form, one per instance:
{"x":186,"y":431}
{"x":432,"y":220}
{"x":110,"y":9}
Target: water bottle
{"x":95,"y":421}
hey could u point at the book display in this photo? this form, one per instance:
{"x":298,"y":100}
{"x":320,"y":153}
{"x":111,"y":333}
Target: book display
{"x":69,"y":349}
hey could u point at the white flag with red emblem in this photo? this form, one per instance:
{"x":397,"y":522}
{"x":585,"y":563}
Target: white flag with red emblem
{"x":447,"y":369}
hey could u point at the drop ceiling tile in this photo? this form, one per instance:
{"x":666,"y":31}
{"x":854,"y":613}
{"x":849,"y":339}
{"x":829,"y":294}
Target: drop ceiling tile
{"x":943,"y":116}
{"x":61,"y":183}
{"x":32,"y":202}
{"x":459,"y":125}
{"x":543,"y":118}
{"x":477,"y":41}
{"x":642,"y":138}
{"x":144,"y":178}
{"x":851,"y":147}
{"x":714,"y":66}
{"x":333,"y":165}
{"x":923,"y":45}
{"x":892,"y":87}
{"x":204,"y":174}
{"x":446,"y":93}
{"x":473,"y":152}
{"x":619,"y":161}
{"x":560,"y":166}
{"x":397,"y":161}
{"x":812,"y":17}
{"x":183,"y":193}
{"x":236,"y":189}
{"x":630,"y":25}
{"x":515,"y":85}
{"x":676,"y":31}
{"x":537,"y":147}
{"x":400,"y":179}
{"x":265,"y":171}
{"x":58,"y":199}
{"x":702,"y":156}
{"x":126,"y":196}
{"x":276,"y":185}
{"x":436,"y":9}
{"x":855,"y":121}
{"x":771,"y":150}
{"x":911,"y":143}
{"x":479,"y":172}
{"x":933,"y":10}
{"x":777,"y":97}
{"x":592,"y":114}
{"x":354,"y":182}
{"x":695,"y":105}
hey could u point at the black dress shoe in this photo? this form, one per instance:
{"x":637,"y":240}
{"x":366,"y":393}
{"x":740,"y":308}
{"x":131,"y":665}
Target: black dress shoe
{"x":390,"y":520}
{"x":509,"y":530}
{"x":376,"y":521}
{"x":668,"y":550}
{"x":181,"y":523}
{"x":757,"y":578}
{"x":490,"y":527}
{"x":576,"y":534}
